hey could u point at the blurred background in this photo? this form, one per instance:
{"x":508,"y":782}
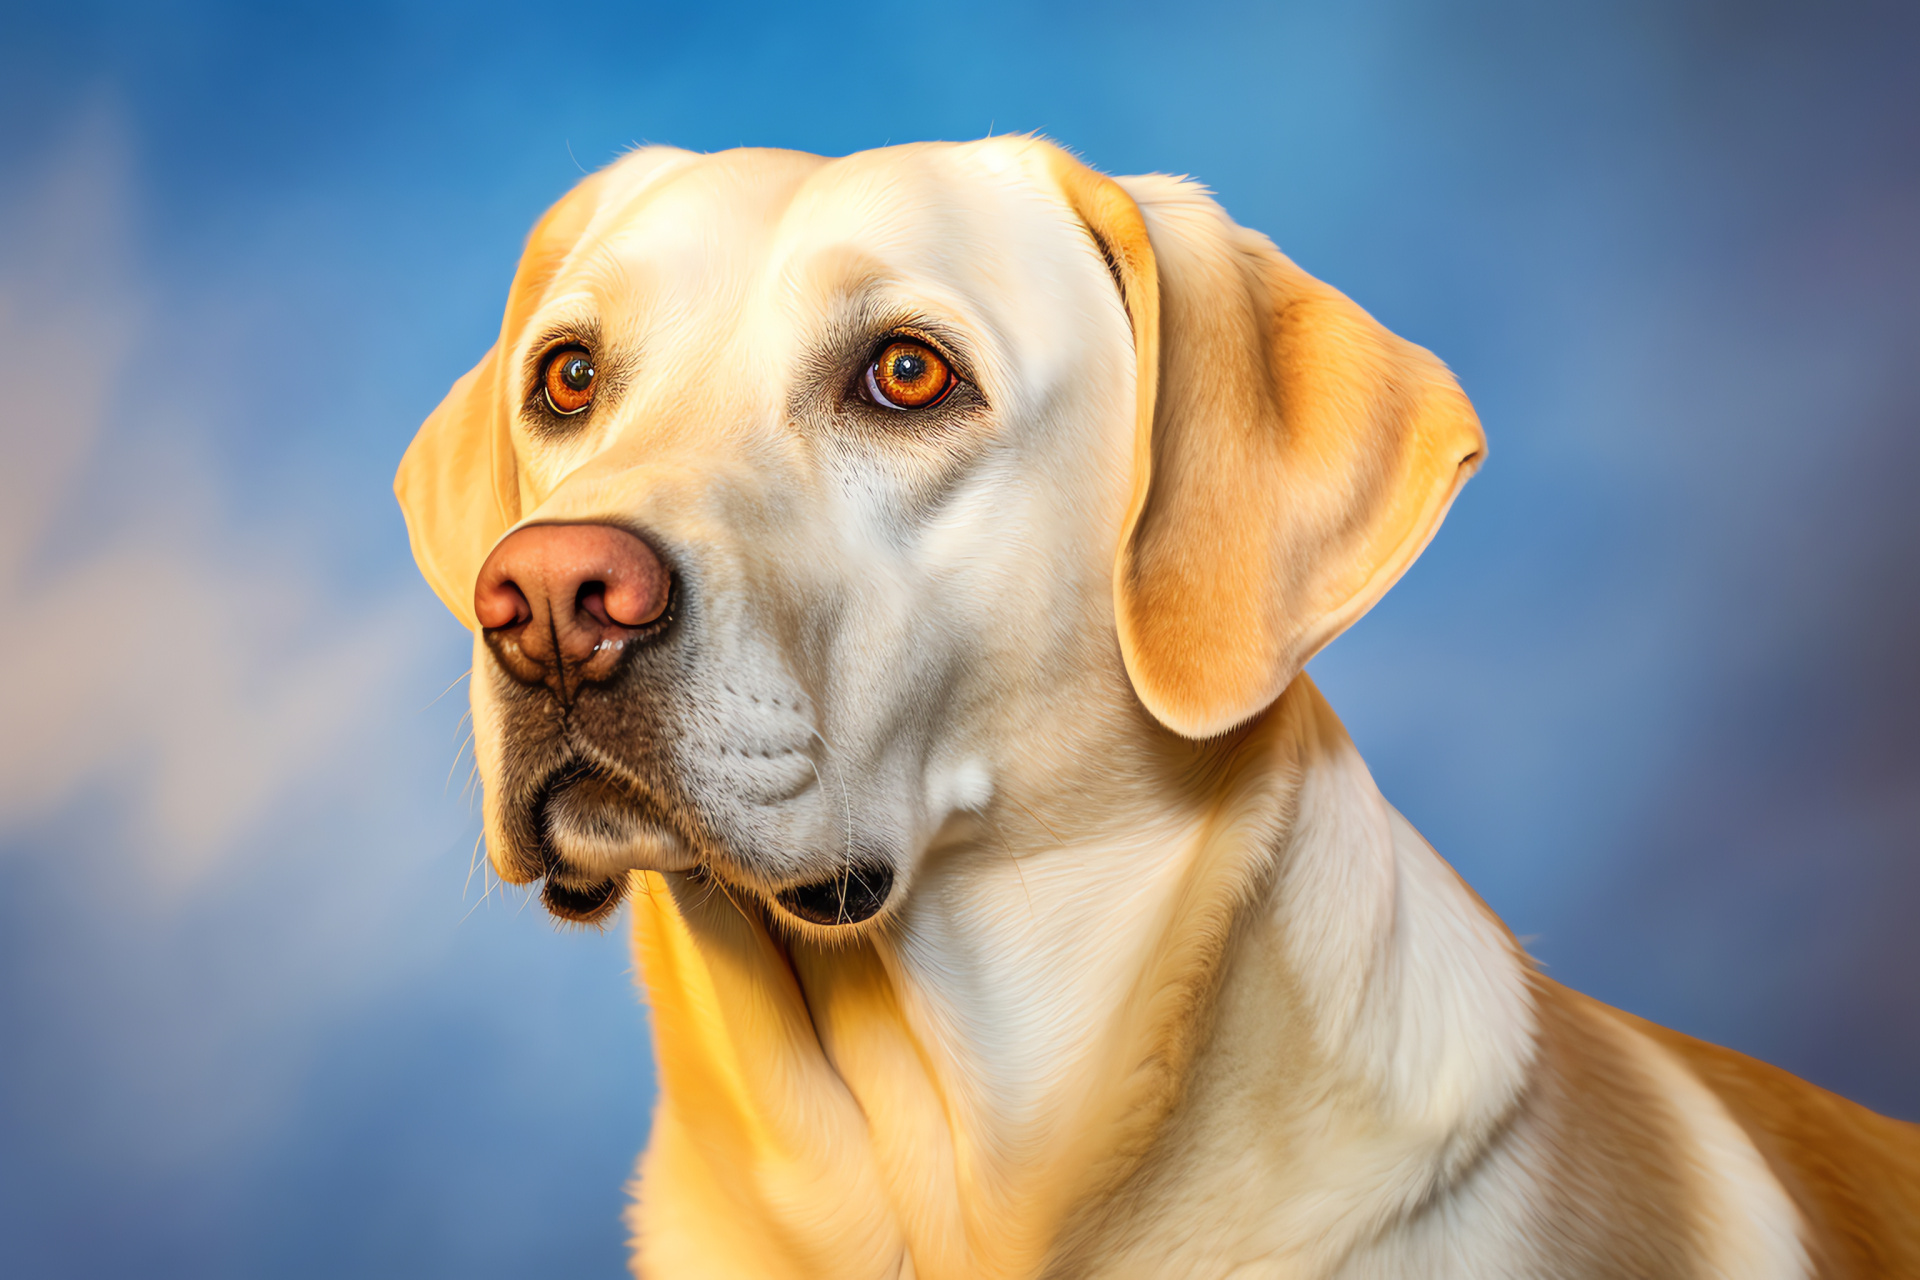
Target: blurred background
{"x":1653,"y":689}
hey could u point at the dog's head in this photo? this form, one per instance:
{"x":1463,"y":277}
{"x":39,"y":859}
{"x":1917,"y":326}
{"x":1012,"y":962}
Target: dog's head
{"x":806,"y":506}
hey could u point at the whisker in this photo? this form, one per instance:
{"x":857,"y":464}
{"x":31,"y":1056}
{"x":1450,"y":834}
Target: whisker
{"x":1008,"y":850}
{"x":1037,"y":818}
{"x":845,"y":801}
{"x":722,"y":887}
{"x":489,"y":881}
{"x":473,"y":864}
{"x":457,"y":753}
{"x":646,"y":886}
{"x":449,"y":689}
{"x":713,"y":885}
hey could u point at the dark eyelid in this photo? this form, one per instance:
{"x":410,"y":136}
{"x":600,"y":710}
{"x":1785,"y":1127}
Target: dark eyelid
{"x":956,"y":363}
{"x":553,"y":342}
{"x":545,"y":353}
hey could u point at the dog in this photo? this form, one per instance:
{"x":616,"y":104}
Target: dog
{"x":893,"y":575}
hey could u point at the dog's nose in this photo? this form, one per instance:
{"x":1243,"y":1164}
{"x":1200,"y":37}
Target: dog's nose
{"x":560,"y":602}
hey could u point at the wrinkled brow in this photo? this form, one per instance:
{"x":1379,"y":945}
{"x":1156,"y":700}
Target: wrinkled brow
{"x":864,"y":302}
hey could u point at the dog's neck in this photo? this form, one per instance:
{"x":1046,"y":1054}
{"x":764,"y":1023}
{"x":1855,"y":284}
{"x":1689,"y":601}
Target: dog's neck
{"x":949,"y":1097}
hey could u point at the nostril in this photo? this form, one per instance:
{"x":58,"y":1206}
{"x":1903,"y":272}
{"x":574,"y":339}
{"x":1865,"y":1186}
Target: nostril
{"x":501,"y":604}
{"x":592,"y":601}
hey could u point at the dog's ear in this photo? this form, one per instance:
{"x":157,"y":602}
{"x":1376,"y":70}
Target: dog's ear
{"x":457,"y":487}
{"x":1291,"y":456}
{"x":458,"y":484}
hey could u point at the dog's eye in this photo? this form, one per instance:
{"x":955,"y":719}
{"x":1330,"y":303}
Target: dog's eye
{"x":569,"y":379}
{"x":908,"y":375}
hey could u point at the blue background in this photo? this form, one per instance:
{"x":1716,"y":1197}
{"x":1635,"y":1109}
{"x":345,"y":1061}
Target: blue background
{"x":1653,"y":690}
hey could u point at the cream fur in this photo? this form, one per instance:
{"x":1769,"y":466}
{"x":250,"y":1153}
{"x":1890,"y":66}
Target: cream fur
{"x":1164,"y":986}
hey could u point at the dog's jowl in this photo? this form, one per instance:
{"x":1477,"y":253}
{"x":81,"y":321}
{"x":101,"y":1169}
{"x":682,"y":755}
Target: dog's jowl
{"x":891,"y":575}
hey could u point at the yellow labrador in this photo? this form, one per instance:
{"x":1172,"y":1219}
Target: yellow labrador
{"x":892,"y":574}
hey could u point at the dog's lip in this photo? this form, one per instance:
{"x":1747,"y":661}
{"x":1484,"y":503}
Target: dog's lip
{"x":852,"y":896}
{"x":595,"y":827}
{"x":610,"y":828}
{"x":588,"y":905}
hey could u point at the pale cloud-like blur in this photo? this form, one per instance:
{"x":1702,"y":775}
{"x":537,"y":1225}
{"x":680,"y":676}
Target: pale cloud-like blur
{"x":143,"y":649}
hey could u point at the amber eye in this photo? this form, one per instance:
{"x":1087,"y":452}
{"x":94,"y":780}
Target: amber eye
{"x":569,"y":380}
{"x":908,"y":375}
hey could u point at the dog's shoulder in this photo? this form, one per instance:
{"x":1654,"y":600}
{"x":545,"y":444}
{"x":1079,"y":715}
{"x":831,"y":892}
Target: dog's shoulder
{"x":1853,"y":1174}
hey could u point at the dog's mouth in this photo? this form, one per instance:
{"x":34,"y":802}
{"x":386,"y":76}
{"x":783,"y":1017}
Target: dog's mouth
{"x":853,"y":896}
{"x":592,"y":828}
{"x":590,"y":905}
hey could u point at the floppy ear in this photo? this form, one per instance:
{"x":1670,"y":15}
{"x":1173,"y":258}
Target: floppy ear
{"x":1291,"y":456}
{"x":458,"y":485}
{"x":451,"y":490}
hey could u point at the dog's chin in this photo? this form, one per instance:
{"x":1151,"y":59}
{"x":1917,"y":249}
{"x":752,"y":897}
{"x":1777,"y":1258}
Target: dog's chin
{"x":594,"y":830}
